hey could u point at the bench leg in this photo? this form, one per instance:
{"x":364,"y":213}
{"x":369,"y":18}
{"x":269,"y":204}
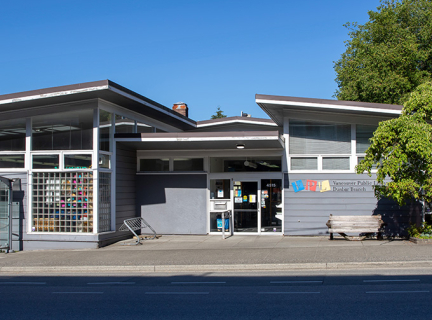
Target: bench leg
{"x":331,"y":236}
{"x":379,"y":236}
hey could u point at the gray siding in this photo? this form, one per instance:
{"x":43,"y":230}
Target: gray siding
{"x":125,"y":193}
{"x":173,"y":203}
{"x":306,"y":211}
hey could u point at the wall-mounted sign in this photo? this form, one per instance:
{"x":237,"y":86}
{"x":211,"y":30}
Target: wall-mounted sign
{"x":334,"y":185}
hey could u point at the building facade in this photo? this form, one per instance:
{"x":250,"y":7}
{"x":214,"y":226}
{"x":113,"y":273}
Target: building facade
{"x":83,"y":158}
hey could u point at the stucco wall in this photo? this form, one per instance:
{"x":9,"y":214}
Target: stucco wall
{"x":173,"y":203}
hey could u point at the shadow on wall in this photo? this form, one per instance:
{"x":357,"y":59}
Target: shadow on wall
{"x":151,"y":188}
{"x":398,"y":219}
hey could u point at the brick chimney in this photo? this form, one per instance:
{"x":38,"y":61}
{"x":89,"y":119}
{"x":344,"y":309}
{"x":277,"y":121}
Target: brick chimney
{"x":181,"y":108}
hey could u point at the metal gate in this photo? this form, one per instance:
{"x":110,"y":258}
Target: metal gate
{"x":5,"y":214}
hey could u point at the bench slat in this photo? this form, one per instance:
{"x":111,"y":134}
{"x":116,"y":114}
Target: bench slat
{"x":347,"y":230}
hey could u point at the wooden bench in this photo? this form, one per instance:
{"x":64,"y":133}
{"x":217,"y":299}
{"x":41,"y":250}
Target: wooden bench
{"x":354,"y":224}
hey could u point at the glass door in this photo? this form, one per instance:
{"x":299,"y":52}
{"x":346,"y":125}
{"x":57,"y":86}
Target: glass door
{"x":271,"y":205}
{"x":245,"y":206}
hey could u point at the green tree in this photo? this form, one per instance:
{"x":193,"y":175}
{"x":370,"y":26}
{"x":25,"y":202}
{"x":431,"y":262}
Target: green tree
{"x":219,"y":114}
{"x":401,"y":150}
{"x":388,"y":56}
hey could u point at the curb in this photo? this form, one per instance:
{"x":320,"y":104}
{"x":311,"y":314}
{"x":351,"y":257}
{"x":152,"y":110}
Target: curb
{"x":221,"y":268}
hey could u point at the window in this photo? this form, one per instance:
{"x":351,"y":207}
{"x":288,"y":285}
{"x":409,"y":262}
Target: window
{"x":194,"y":164}
{"x":363,"y":134}
{"x":319,"y":138}
{"x":105,"y":130}
{"x":319,"y":145}
{"x":12,"y":135}
{"x":46,"y":161}
{"x":336,"y":163}
{"x":302,"y":163}
{"x":77,"y":161}
{"x":124,"y":125}
{"x":12,"y":161}
{"x":246,"y":164}
{"x":63,"y":131}
{"x":154,"y":164}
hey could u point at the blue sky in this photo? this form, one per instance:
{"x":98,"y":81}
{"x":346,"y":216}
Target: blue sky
{"x":204,"y":53}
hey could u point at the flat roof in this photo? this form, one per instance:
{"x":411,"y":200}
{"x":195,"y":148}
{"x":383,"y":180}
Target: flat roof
{"x":275,"y":106}
{"x":103,"y":89}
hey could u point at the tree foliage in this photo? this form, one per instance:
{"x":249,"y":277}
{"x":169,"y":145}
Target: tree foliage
{"x":388,"y":56}
{"x":401,"y":149}
{"x":219,"y":114}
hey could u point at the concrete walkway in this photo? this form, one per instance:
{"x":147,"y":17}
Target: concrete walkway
{"x":212,"y":253}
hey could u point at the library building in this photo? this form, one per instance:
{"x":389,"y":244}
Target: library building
{"x":78,"y":160}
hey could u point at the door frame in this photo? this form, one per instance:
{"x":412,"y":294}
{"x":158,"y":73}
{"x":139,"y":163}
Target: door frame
{"x":246,"y":177}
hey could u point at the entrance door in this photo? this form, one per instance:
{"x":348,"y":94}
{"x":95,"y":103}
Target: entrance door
{"x":246,"y":206}
{"x":5,"y":214}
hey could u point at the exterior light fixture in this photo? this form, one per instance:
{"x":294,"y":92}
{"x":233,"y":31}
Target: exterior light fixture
{"x":240,"y":146}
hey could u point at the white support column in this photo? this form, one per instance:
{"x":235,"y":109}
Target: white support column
{"x":27,"y":163}
{"x":113,"y":176}
{"x":95,"y":166}
{"x":353,"y":158}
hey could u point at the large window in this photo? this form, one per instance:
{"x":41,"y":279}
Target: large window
{"x":246,"y":164}
{"x":12,"y":135}
{"x":63,"y":131}
{"x":319,"y":138}
{"x":319,"y":145}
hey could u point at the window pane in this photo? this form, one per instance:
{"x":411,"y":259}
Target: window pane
{"x":319,"y":138}
{"x":12,"y":135}
{"x":45,"y":161}
{"x":144,"y":128}
{"x":124,"y":125}
{"x":189,"y":164}
{"x":333,"y":163}
{"x":104,"y":130}
{"x":79,"y":161}
{"x":63,"y":131}
{"x":304,"y":164}
{"x":363,"y":134}
{"x":104,"y":161}
{"x":154,"y":164}
{"x":255,"y":164}
{"x":220,"y":189}
{"x":12,"y":161}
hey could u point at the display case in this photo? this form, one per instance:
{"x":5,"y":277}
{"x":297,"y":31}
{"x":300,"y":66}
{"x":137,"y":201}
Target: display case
{"x":62,"y":202}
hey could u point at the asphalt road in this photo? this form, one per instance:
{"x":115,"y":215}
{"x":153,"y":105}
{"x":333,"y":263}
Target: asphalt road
{"x":393,"y":294}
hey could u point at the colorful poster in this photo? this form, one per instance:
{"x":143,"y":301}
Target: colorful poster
{"x":245,"y":198}
{"x":220,"y":193}
{"x":238,"y":200}
{"x":252,"y":198}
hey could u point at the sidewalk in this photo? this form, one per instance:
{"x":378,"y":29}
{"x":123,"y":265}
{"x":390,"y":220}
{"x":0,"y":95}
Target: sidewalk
{"x":212,"y":253}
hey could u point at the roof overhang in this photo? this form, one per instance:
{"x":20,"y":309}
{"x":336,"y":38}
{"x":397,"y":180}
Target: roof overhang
{"x":104,"y":89}
{"x":236,"y":120}
{"x":251,"y":140}
{"x":278,"y":107}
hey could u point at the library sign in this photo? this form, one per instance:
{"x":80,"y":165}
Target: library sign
{"x":333,"y":185}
